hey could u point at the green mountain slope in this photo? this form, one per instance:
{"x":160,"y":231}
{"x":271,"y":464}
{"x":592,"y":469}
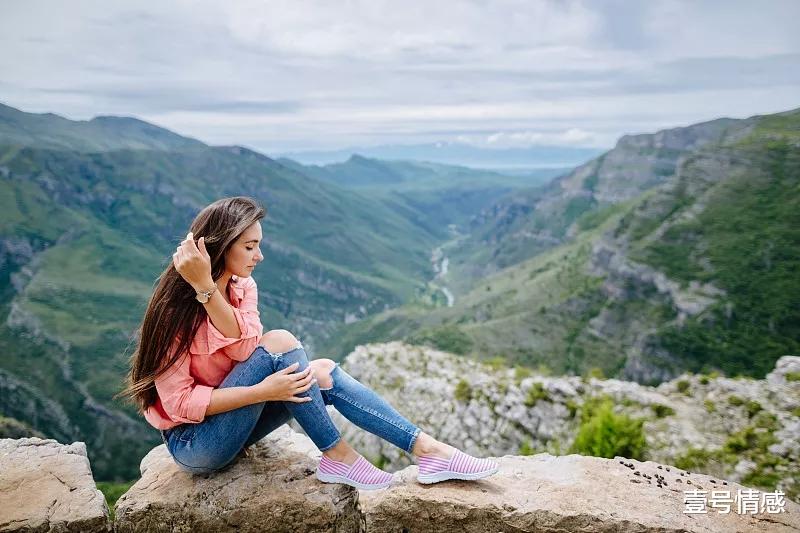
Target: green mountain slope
{"x":528,"y":222}
{"x":433,"y":194}
{"x":83,"y":236}
{"x":695,"y":273}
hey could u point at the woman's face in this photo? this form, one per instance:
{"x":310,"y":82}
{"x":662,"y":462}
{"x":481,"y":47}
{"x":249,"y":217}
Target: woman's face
{"x":244,"y":254}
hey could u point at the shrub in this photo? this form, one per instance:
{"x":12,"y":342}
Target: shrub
{"x":536,"y":393}
{"x":446,"y":337}
{"x":604,"y":433}
{"x":683,"y":386}
{"x":520,"y":373}
{"x":704,"y":380}
{"x":710,"y":407}
{"x":595,"y":372}
{"x":463,"y":391}
{"x":753,"y":407}
{"x":526,"y":448}
{"x":661,"y":410}
{"x":496,"y":363}
{"x":793,"y":376}
{"x":694,"y":459}
{"x":572,"y":406}
{"x":735,"y":400}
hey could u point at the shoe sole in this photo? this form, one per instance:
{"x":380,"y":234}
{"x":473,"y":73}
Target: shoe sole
{"x":449,"y":474}
{"x":333,"y":478}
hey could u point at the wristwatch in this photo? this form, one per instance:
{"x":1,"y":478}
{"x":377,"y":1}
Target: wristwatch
{"x":203,"y":296}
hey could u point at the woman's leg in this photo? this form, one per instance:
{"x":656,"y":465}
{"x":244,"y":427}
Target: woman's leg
{"x":273,"y":416}
{"x":365,"y":408}
{"x":213,"y":443}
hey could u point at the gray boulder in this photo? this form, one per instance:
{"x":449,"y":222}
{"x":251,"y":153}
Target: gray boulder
{"x":47,"y":486}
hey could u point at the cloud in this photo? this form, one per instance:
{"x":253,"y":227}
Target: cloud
{"x":292,"y":75}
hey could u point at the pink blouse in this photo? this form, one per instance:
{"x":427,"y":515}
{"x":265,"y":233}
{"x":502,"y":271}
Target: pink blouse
{"x":184,"y":391}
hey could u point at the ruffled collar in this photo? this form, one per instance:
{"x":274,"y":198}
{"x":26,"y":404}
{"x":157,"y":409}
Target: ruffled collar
{"x":235,"y":289}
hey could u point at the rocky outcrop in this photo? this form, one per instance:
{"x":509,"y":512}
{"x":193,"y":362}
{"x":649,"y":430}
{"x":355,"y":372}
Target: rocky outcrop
{"x":47,"y":486}
{"x":494,"y":411}
{"x":273,"y":489}
{"x":543,"y":493}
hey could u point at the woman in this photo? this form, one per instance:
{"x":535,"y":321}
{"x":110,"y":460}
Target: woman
{"x":205,"y":375}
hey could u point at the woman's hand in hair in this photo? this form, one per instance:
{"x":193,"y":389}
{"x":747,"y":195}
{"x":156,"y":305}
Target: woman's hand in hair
{"x":284,"y":384}
{"x":193,"y":262}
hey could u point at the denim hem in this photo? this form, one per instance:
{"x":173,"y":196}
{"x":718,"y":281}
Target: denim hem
{"x":326,"y":448}
{"x":414,"y":439}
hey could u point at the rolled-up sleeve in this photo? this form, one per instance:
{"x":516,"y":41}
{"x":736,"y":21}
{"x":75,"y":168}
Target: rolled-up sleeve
{"x":183,"y":399}
{"x":247,"y":316}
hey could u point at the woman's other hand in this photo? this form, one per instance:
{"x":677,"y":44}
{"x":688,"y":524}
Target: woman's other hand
{"x":283,"y":385}
{"x":193,"y":262}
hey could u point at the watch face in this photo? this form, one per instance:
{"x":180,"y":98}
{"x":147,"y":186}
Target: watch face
{"x":202,"y":298}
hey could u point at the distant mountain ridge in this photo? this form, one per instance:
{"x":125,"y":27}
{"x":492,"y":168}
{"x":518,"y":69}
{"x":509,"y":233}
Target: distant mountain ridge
{"x":100,"y":134}
{"x":435,"y":195}
{"x":455,"y":153}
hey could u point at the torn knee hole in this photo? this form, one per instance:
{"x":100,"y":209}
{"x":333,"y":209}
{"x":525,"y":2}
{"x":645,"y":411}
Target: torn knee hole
{"x":325,"y":381}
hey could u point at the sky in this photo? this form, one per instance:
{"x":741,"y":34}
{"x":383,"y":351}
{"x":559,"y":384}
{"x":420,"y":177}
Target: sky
{"x":287,"y":76}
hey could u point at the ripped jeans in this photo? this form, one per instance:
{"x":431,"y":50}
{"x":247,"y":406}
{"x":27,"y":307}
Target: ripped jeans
{"x":215,"y":442}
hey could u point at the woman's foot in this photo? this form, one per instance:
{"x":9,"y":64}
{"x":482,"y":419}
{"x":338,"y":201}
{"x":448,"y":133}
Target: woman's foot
{"x":439,"y":462}
{"x":427,"y":446}
{"x":361,"y":474}
{"x":342,"y":452}
{"x":342,"y":464}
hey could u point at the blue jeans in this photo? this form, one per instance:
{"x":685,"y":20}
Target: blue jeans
{"x":215,"y":442}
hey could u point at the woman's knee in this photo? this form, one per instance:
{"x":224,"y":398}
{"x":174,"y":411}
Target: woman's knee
{"x":278,"y":341}
{"x":322,"y":369}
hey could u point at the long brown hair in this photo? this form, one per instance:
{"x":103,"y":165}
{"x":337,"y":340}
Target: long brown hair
{"x":173,"y":316}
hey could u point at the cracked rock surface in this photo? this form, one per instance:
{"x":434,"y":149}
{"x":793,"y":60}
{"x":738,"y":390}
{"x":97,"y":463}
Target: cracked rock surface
{"x":546,"y":493}
{"x":48,"y":486}
{"x":274,"y":489}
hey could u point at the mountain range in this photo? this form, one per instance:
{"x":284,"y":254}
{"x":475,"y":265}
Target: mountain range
{"x":673,"y":251}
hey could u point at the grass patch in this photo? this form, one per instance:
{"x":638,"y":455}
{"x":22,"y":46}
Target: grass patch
{"x":112,"y":491}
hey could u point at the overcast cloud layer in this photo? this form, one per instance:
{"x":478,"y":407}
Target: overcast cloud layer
{"x":294,"y":75}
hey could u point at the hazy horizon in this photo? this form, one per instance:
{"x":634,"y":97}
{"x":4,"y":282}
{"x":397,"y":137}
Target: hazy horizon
{"x":283,"y":77}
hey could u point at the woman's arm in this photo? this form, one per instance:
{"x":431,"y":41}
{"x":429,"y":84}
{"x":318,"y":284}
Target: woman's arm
{"x":194,"y":265}
{"x":230,"y":398}
{"x":220,"y":312}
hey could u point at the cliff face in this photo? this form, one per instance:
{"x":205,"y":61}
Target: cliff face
{"x":740,"y":429}
{"x":526,"y":223}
